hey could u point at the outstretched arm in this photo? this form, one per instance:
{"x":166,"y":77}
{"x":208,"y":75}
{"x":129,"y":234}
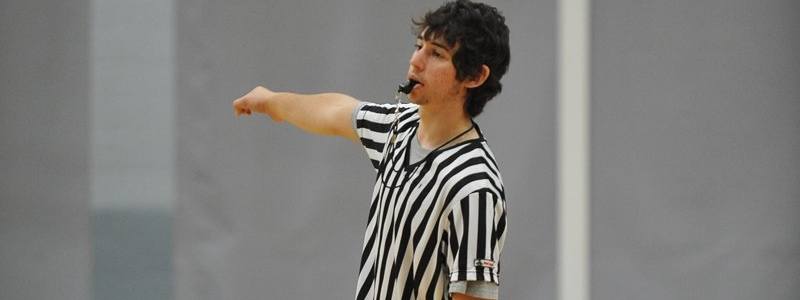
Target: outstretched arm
{"x":323,"y":114}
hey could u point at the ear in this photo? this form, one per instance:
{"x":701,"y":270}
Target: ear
{"x":479,"y":79}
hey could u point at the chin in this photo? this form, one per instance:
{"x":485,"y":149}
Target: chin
{"x":416,"y":99}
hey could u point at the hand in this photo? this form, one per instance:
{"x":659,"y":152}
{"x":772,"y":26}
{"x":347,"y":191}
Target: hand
{"x":259,"y":100}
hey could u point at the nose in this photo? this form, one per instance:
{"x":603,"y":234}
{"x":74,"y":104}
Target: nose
{"x":417,"y":61}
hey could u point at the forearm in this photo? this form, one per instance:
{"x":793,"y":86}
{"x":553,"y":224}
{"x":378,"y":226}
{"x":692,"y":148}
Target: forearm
{"x":324,"y":114}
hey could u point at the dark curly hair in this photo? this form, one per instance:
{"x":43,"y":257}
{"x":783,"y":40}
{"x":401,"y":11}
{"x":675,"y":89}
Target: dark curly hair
{"x":481,"y":36}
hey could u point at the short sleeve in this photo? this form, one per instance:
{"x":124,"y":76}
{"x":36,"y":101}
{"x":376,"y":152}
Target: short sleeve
{"x":474,"y":234}
{"x":372,"y":124}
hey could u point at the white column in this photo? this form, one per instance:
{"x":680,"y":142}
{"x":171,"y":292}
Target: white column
{"x":132,"y":90}
{"x":132,"y":147}
{"x":573,"y":151}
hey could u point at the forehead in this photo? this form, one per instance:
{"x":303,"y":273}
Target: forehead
{"x":436,"y":38}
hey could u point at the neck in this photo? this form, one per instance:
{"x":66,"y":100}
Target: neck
{"x":438,"y":124}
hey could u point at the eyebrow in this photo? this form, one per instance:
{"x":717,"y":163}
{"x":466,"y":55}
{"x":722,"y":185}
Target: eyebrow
{"x":435,"y":43}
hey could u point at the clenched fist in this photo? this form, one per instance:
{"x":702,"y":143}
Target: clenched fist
{"x":260,"y":100}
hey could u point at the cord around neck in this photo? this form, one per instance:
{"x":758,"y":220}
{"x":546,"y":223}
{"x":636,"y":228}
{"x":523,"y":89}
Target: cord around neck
{"x":471,"y":126}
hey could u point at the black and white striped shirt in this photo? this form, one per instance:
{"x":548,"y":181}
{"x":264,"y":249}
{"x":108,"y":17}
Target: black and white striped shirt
{"x":431,"y":222}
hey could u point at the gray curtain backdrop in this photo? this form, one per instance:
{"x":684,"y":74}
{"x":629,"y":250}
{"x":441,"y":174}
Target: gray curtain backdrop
{"x":44,"y":143}
{"x":695,"y":170}
{"x":695,"y":143}
{"x":266,"y":211}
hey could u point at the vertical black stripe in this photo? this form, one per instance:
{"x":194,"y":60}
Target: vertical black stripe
{"x":364,"y":290}
{"x":464,"y":245}
{"x":435,"y":278}
{"x":368,"y":246}
{"x":427,"y":255}
{"x":409,"y":289}
{"x":501,"y":225}
{"x":387,"y":240}
{"x":481,"y":239}
{"x":453,"y":239}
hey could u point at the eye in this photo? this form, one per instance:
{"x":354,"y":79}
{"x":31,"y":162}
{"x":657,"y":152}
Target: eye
{"x":436,"y":54}
{"x":417,"y":46}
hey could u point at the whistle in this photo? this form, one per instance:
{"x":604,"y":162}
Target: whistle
{"x":406,"y":87}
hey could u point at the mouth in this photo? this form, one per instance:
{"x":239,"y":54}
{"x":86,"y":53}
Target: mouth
{"x":415,"y":79}
{"x":415,"y":82}
{"x":408,"y":86}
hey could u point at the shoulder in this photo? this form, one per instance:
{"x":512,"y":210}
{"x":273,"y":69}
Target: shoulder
{"x":385,"y":108}
{"x":377,"y":117}
{"x":474,"y":155}
{"x":472,"y":169}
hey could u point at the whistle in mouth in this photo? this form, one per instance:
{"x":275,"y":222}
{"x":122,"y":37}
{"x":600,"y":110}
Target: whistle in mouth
{"x":406,"y":88}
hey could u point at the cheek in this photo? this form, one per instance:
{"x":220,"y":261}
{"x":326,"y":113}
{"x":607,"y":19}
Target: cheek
{"x":445,"y":75}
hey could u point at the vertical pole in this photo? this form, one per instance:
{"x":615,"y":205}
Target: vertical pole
{"x":573,"y":162}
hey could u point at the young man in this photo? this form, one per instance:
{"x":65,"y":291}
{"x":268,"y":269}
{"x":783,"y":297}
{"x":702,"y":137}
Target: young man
{"x":437,"y":219}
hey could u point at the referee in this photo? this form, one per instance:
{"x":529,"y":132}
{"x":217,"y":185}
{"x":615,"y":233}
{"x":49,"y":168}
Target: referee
{"x":437,"y":218}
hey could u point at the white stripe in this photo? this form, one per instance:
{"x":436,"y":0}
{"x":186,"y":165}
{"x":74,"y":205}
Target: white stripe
{"x":489,"y":217}
{"x":372,"y":154}
{"x":573,"y":87}
{"x":498,"y":212}
{"x":362,"y":278}
{"x":459,"y":227}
